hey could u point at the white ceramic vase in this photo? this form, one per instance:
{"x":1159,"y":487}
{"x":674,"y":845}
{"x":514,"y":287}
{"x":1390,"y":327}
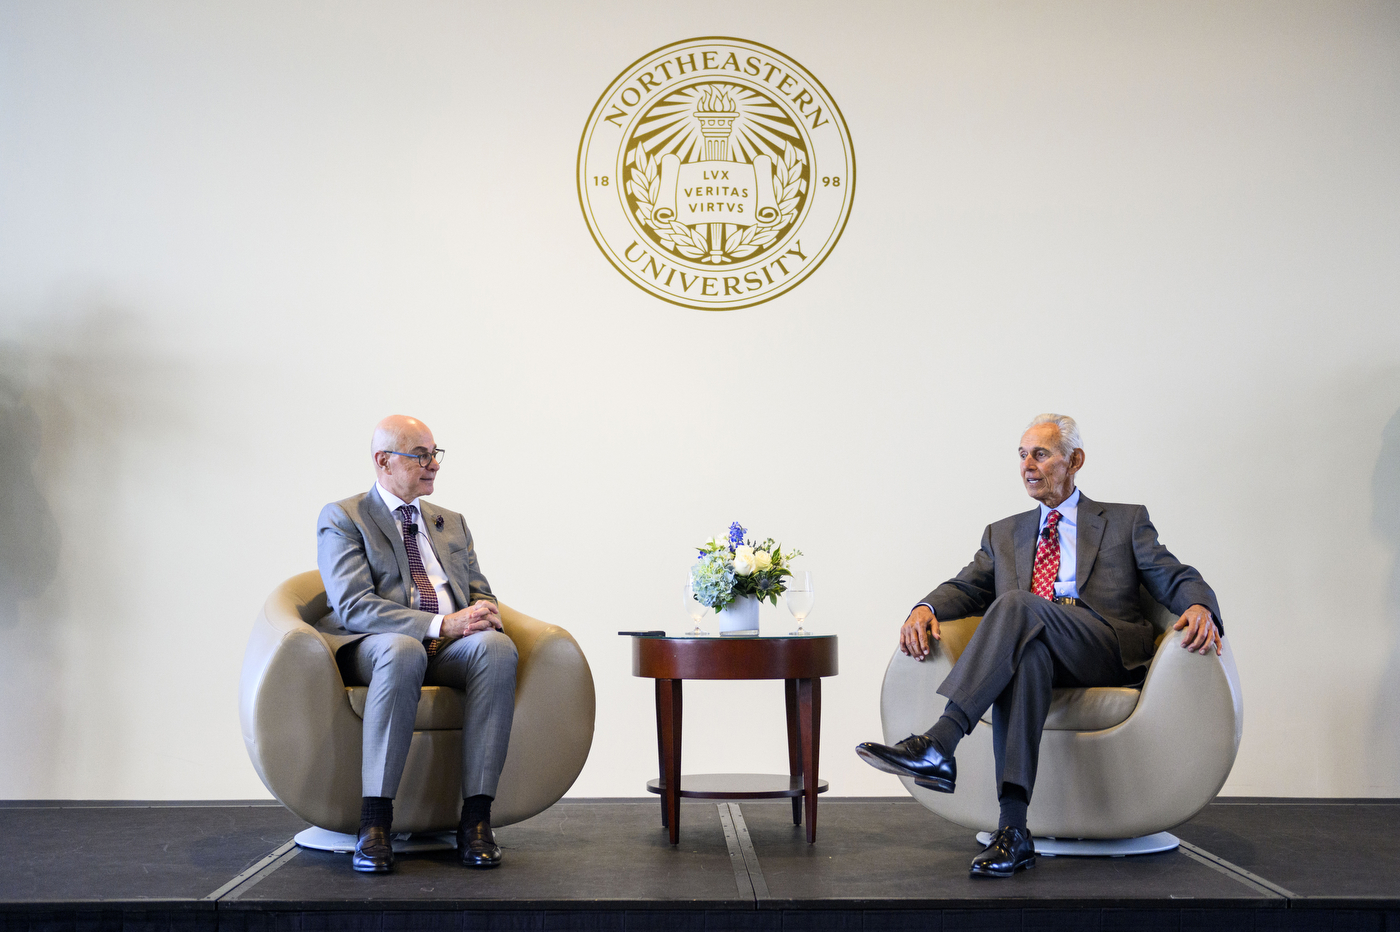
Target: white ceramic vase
{"x":740,"y":618}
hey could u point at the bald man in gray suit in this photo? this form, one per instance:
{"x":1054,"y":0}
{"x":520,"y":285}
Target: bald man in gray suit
{"x":409,"y":606}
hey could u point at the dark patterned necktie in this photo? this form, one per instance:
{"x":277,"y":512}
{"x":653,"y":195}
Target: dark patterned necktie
{"x":427,"y":595}
{"x":1047,"y":559}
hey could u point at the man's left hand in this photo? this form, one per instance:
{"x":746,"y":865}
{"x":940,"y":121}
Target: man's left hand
{"x":479,"y":616}
{"x":1201,"y":632}
{"x":484,"y":614}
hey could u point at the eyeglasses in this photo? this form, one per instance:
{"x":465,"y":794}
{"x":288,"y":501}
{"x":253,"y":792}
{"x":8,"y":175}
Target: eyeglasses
{"x":423,"y":458}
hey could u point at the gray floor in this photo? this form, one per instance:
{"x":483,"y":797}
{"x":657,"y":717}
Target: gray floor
{"x":96,"y":852}
{"x":899,"y":855}
{"x":601,"y":854}
{"x":604,"y":864}
{"x":1341,"y":851}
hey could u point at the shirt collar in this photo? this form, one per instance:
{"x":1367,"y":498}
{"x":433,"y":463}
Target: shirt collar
{"x":1068,"y":509}
{"x":393,"y":502}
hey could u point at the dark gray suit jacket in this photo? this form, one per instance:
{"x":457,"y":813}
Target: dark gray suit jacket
{"x":365,"y":568}
{"x":1116,"y":551}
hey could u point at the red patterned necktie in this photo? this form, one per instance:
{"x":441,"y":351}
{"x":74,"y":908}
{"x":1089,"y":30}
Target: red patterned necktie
{"x":427,"y":595}
{"x":1047,"y":559}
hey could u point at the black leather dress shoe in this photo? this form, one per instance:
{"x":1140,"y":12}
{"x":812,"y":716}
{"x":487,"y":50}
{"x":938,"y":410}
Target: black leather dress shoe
{"x":1011,"y":850}
{"x":373,"y":852}
{"x":476,"y":846}
{"x":915,"y":757}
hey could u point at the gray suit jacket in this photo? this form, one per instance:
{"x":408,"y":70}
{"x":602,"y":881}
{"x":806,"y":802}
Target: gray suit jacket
{"x":365,"y":568}
{"x":1116,"y":551}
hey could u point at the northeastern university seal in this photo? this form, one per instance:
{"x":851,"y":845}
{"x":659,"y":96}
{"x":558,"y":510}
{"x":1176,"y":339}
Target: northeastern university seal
{"x":716,"y":173}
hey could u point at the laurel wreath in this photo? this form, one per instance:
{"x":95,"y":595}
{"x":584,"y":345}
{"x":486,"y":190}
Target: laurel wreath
{"x":644,"y":183}
{"x":788,"y":186}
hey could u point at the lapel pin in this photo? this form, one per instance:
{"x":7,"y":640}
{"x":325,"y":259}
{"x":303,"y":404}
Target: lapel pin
{"x":437,"y":522}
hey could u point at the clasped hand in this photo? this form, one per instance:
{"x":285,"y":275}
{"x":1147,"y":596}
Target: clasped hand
{"x":476,"y":617}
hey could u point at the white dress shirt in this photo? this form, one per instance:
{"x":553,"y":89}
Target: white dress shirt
{"x":431,"y":566}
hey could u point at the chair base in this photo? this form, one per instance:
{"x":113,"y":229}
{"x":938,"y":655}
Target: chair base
{"x":1097,"y":847}
{"x":323,"y":839}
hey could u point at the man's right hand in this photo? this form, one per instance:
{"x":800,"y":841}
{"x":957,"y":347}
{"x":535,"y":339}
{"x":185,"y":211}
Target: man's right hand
{"x":918,"y":630}
{"x":476,"y":617}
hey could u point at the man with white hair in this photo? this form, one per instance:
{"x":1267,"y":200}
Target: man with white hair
{"x":1057,"y":587}
{"x":410,"y":606}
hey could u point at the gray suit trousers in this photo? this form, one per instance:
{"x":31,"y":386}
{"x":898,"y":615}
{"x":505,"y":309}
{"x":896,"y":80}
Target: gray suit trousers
{"x":1024,"y":647}
{"x":395,"y":667}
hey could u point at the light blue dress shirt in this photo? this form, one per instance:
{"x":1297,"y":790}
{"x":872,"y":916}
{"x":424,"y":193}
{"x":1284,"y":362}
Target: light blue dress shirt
{"x":1068,"y":530}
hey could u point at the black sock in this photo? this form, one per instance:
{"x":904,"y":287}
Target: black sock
{"x":1014,"y":803}
{"x":376,"y":812}
{"x":949,"y":730}
{"x":476,"y":809}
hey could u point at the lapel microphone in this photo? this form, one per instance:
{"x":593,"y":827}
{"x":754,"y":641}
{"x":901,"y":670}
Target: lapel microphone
{"x":411,"y":529}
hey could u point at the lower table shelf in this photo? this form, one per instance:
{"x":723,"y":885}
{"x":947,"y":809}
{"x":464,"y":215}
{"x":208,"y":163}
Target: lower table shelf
{"x":738,"y":786}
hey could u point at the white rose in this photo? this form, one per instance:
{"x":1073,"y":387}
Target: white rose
{"x":762,"y":560}
{"x":745,"y":562}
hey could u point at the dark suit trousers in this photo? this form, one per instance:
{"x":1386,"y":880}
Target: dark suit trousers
{"x":1024,"y":647}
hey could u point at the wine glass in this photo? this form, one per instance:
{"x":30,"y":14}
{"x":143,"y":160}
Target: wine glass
{"x":799,"y":598}
{"x":695,"y":608}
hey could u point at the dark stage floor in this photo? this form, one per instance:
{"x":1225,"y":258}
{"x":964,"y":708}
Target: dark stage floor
{"x":605,"y":865}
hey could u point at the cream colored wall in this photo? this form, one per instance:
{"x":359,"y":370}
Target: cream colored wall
{"x":234,"y":235}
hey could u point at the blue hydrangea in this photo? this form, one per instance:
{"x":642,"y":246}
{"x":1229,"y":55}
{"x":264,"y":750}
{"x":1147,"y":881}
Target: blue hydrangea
{"x":713,"y":581}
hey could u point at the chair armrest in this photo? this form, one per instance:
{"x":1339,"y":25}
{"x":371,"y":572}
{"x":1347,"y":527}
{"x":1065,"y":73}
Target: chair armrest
{"x":1163,"y":763}
{"x":1191,"y":708}
{"x":555,"y":705}
{"x":297,"y":724}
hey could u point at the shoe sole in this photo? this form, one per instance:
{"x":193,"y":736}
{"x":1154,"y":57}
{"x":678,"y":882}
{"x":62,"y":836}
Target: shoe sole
{"x":882,"y":765}
{"x":937,"y":784}
{"x":1023,"y":866}
{"x":481,"y":866}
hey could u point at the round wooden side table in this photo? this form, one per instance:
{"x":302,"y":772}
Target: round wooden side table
{"x":800,"y":661}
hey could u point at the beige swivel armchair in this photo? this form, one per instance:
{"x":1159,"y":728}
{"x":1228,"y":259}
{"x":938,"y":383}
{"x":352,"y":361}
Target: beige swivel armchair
{"x":1121,"y":764}
{"x":301,"y":724}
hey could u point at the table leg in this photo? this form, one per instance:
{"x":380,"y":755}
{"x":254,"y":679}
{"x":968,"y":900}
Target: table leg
{"x":794,"y":735}
{"x":668,"y":724}
{"x":809,"y":702}
{"x":662,"y":717}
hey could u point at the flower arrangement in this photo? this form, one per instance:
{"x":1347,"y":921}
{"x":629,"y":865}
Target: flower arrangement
{"x":731,"y":567}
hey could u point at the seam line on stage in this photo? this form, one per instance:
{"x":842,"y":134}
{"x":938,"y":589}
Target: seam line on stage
{"x":1239,"y":873}
{"x":760,"y":886}
{"x":742,"y":879}
{"x":246,"y":880}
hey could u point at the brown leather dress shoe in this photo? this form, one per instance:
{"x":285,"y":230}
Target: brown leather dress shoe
{"x":374,"y":854}
{"x":476,"y":846}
